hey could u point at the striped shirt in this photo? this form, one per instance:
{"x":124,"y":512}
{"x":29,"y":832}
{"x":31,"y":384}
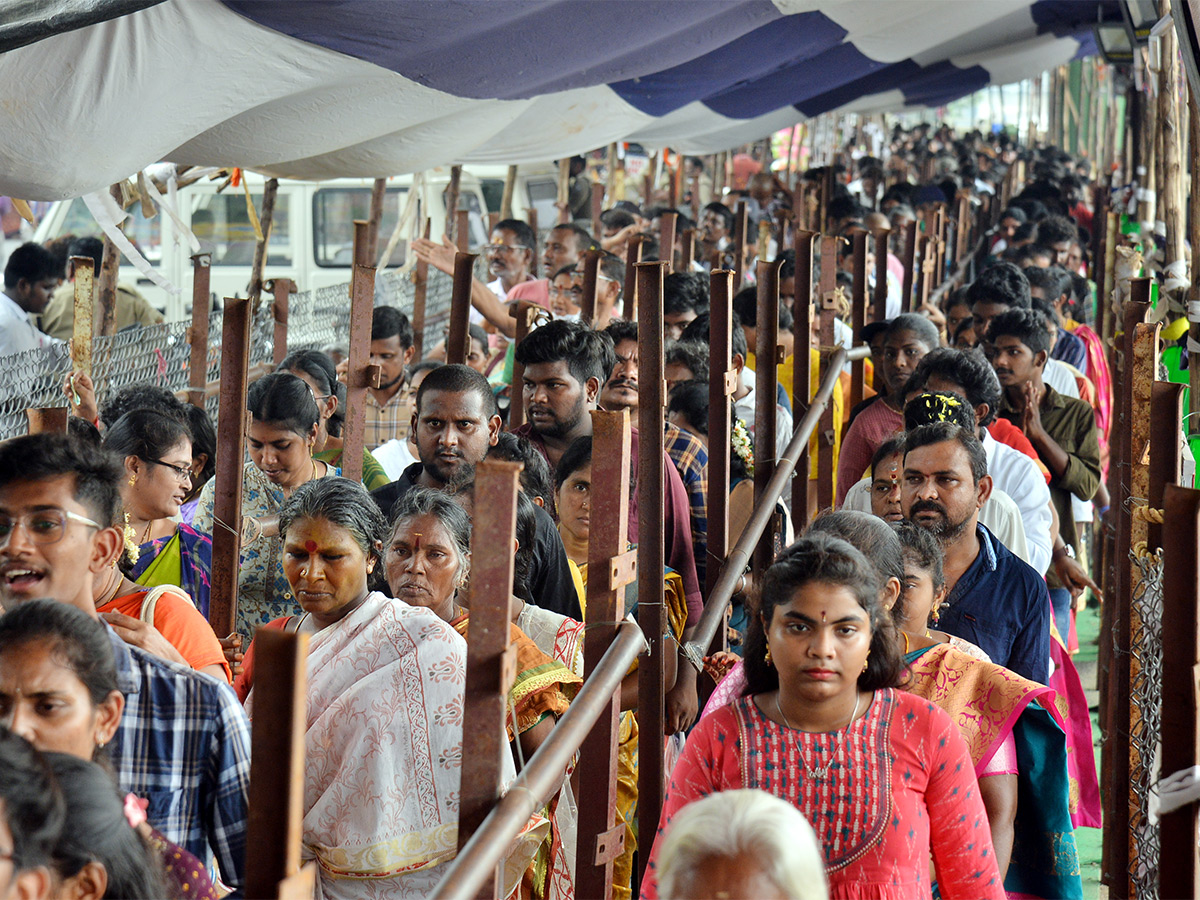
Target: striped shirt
{"x":184,"y":745}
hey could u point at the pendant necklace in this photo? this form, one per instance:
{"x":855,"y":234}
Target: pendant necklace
{"x":819,"y":773}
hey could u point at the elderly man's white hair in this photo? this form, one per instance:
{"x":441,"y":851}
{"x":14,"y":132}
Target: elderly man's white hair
{"x":744,"y":823}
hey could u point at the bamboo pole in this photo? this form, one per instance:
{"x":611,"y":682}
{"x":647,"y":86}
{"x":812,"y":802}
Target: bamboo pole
{"x":1172,"y":165}
{"x":81,"y":340}
{"x":378,"y":192}
{"x":564,"y":190}
{"x":260,"y":249}
{"x":510,"y":182}
{"x":451,"y":196}
{"x":106,"y":281}
{"x":1194,"y":290}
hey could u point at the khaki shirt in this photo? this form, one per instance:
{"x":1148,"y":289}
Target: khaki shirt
{"x":58,"y":319}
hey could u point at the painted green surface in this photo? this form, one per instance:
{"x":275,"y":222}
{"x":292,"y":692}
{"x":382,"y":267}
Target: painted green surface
{"x":1088,"y":840}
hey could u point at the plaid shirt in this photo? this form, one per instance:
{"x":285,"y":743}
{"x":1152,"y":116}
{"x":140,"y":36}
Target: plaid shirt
{"x":389,"y":421}
{"x":184,"y":745}
{"x":691,"y":461}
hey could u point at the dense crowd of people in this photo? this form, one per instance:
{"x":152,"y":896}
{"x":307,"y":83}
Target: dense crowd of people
{"x":897,"y":713}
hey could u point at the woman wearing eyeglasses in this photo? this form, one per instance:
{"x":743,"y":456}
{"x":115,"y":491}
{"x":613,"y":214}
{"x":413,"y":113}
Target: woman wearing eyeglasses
{"x":166,"y":564}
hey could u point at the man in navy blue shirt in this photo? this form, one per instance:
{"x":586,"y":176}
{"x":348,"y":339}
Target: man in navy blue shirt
{"x":994,"y":599}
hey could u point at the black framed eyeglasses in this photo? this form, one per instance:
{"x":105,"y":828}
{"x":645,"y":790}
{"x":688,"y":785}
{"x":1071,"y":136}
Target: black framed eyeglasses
{"x":182,"y":473}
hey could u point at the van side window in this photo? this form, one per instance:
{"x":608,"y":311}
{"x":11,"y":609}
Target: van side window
{"x":334,"y":212}
{"x":222,"y":224}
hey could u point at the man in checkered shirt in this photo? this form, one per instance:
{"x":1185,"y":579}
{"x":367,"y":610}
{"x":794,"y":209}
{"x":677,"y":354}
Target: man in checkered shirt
{"x":183,"y":742}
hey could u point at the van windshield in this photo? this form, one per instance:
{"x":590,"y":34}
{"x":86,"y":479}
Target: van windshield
{"x":334,"y":212}
{"x":221,"y":222}
{"x":336,"y":209}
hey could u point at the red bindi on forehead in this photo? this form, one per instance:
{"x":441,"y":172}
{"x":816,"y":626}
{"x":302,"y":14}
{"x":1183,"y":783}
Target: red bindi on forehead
{"x":310,"y":546}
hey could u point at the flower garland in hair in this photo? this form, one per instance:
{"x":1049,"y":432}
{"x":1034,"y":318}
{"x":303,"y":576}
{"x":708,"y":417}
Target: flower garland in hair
{"x":131,"y":544}
{"x":742,"y":446}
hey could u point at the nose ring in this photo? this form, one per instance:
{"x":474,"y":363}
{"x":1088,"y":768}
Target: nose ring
{"x":304,"y":573}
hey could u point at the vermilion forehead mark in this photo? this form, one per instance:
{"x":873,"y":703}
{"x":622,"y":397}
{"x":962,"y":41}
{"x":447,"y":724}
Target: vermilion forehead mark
{"x":416,"y":540}
{"x":310,"y":546}
{"x":822,"y":615}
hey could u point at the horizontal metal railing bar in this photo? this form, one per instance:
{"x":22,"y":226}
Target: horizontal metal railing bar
{"x":543,"y":774}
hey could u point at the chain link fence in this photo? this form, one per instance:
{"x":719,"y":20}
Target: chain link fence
{"x":160,"y":354}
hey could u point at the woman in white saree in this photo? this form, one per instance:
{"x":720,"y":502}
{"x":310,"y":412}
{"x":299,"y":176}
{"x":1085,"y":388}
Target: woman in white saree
{"x":385,"y":701}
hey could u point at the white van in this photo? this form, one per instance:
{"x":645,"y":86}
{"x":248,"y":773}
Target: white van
{"x":311,"y":240}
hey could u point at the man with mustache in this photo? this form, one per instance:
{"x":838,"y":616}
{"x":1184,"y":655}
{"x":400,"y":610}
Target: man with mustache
{"x":510,"y":256}
{"x":1061,"y":429}
{"x":993,"y":599}
{"x":566,"y":364}
{"x":456,"y":422}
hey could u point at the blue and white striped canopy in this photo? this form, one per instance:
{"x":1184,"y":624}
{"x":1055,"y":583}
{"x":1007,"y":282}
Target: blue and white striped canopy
{"x":92,"y":90}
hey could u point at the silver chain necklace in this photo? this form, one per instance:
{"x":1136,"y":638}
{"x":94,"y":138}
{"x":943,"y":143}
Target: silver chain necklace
{"x":819,"y":773}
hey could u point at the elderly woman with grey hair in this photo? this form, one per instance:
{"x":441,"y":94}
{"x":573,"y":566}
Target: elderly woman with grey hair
{"x":743,"y":843}
{"x":385,"y":693}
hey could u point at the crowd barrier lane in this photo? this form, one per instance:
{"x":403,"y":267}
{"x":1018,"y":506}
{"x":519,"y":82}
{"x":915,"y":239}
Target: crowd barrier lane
{"x":735,"y":564}
{"x":543,"y":774}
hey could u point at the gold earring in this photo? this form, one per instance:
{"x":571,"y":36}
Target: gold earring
{"x":132,"y":480}
{"x":767,"y":658}
{"x":867,"y":661}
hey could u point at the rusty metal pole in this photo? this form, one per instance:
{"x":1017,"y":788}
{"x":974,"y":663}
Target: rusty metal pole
{"x":491,"y":655}
{"x":591,"y":272}
{"x":610,"y":568}
{"x":1115,"y":755}
{"x":722,"y":385}
{"x":858,"y":315}
{"x":533,"y":224}
{"x":275,"y":827}
{"x":516,"y":393}
{"x":766,"y":377}
{"x":908,"y":260}
{"x":962,"y":233}
{"x":458,"y":342}
{"x":82,"y":330}
{"x":197,"y":333}
{"x":666,"y":240}
{"x":281,"y":289}
{"x":804,"y":497}
{"x":825,"y":467}
{"x":741,"y":224}
{"x":633,"y":256}
{"x":462,"y":230}
{"x":687,"y":252}
{"x":880,"y":297}
{"x":651,"y":552}
{"x":360,"y":374}
{"x":420,"y":292}
{"x":1179,"y":872}
{"x":231,"y":453}
{"x":597,"y":207}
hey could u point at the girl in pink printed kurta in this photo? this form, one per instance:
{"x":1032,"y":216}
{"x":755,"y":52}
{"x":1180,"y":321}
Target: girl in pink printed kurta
{"x":882,"y":775}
